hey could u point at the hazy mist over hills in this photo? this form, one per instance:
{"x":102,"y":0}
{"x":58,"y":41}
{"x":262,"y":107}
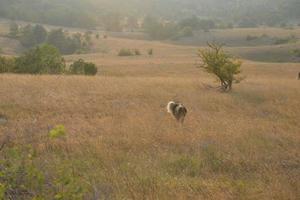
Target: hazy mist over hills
{"x":91,"y":12}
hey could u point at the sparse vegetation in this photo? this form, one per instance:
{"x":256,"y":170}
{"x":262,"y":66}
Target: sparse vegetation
{"x":251,"y":38}
{"x":57,"y":132}
{"x":290,"y":39}
{"x":296,"y":52}
{"x":224,"y":66}
{"x":69,"y":137}
{"x":150,"y":52}
{"x":125,"y":52}
{"x":137,"y":52}
{"x":7,"y":64}
{"x":82,"y":67}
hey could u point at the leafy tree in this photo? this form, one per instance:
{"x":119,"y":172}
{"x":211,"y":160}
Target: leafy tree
{"x":69,"y":44}
{"x":27,"y":38}
{"x":44,"y":59}
{"x":224,"y":66}
{"x":57,"y":38}
{"x":160,"y":30}
{"x":40,"y":34}
{"x":32,"y":36}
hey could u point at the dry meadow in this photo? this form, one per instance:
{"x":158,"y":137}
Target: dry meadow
{"x":120,"y":142}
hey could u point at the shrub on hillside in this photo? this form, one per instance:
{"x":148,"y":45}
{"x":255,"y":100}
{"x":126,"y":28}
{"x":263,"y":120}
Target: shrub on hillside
{"x":6,"y":64}
{"x":290,"y":39}
{"x":150,"y":52}
{"x":57,"y":132}
{"x":44,"y":59}
{"x":296,"y":52}
{"x":82,"y":67}
{"x":137,"y":52}
{"x":224,"y":66}
{"x":31,"y":36}
{"x":125,"y":52}
{"x":251,"y":38}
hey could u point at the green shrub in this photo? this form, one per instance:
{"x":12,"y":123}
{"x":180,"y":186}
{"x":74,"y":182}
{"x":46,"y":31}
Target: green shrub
{"x":7,"y":64}
{"x":44,"y":59}
{"x":251,"y":38}
{"x":137,"y":52}
{"x":221,"y":64}
{"x":125,"y":52}
{"x":290,"y":39}
{"x":19,"y":176}
{"x":57,"y":132}
{"x":150,"y":52}
{"x":90,"y":69}
{"x":296,"y":52}
{"x":82,"y":67}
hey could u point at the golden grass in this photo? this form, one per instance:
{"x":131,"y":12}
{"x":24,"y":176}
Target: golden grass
{"x":121,"y":143}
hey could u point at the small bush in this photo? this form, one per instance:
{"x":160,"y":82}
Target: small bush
{"x":150,"y":52}
{"x":296,"y":52}
{"x":251,"y":38}
{"x":137,"y":52}
{"x":90,"y":69}
{"x":125,"y":52}
{"x":82,"y":67}
{"x":57,"y":132}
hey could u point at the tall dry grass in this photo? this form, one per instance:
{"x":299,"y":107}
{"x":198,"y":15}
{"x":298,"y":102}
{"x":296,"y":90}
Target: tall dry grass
{"x":121,"y":143}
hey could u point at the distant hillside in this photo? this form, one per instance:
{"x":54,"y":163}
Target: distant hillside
{"x":89,"y":13}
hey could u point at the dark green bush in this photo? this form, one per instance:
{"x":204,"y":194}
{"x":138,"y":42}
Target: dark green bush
{"x":82,"y":67}
{"x":90,"y":69}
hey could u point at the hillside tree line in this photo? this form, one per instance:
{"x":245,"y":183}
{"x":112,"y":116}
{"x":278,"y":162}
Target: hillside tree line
{"x":34,"y":35}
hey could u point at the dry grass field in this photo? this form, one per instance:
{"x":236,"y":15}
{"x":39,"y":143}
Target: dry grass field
{"x":120,"y":142}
